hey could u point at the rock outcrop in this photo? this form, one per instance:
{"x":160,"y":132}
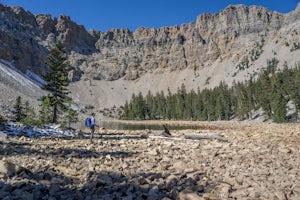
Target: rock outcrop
{"x":118,"y":53}
{"x":18,"y":33}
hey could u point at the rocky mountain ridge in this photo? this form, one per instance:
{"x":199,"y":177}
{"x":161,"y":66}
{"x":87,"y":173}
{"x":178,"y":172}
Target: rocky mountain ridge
{"x":228,"y":46}
{"x":187,"y":46}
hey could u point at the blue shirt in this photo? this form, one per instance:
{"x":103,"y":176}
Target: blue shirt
{"x":93,"y":121}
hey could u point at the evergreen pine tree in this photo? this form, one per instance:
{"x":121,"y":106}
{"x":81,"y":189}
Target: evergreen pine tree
{"x":154,"y":108}
{"x":161,"y":110}
{"x":239,"y":102}
{"x":190,"y":102}
{"x":149,"y":104}
{"x":72,"y":117}
{"x":180,"y":102}
{"x":27,"y":109}
{"x":206,"y":111}
{"x":264,"y":92}
{"x":279,"y":107}
{"x":170,"y":105}
{"x":199,"y":105}
{"x":57,"y":80}
{"x":126,"y":111}
{"x":250,"y":89}
{"x":131,"y":110}
{"x":30,"y":119}
{"x":141,"y":107}
{"x":219,"y":108}
{"x":18,"y":110}
{"x":133,"y":107}
{"x":294,"y":87}
{"x":45,"y":115}
{"x":223,"y":104}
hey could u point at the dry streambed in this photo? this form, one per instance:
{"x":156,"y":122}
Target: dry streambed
{"x":259,"y":161}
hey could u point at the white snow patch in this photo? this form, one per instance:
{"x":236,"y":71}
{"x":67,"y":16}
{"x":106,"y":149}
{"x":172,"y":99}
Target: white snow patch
{"x":46,"y":131}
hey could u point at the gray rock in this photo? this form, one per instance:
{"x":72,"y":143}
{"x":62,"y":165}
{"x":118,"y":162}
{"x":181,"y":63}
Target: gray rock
{"x":7,"y":168}
{"x":3,"y":136}
{"x":251,"y":166}
{"x":189,"y":195}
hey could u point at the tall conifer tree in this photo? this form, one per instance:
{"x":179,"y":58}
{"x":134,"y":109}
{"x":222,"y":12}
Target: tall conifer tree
{"x":279,"y":107}
{"x":18,"y":110}
{"x":57,"y":80}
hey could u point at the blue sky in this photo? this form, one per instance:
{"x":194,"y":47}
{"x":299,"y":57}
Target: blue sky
{"x":105,"y":14}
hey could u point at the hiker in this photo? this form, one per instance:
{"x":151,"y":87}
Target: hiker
{"x":91,"y":123}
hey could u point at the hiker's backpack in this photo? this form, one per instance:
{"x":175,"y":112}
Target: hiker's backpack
{"x":88,"y":122}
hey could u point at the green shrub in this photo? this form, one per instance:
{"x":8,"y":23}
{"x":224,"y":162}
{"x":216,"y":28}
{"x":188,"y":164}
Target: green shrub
{"x":31,"y":119}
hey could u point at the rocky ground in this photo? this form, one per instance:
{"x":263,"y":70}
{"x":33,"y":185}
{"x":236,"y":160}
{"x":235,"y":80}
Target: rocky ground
{"x":259,"y":161}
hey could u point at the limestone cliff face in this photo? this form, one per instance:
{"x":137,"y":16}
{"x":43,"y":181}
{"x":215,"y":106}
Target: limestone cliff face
{"x":236,"y":33}
{"x":18,"y":33}
{"x":237,"y":30}
{"x":26,"y":39}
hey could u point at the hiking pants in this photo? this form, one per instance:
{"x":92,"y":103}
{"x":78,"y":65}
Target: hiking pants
{"x":92,"y":133}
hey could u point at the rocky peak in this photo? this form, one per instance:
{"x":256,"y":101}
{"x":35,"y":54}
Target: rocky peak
{"x":297,"y":9}
{"x":46,"y":24}
{"x":95,"y":33}
{"x":18,"y":21}
{"x":238,"y":19}
{"x":24,"y":17}
{"x":115,"y":37}
{"x":294,"y":15}
{"x":74,"y":36}
{"x":64,"y":23}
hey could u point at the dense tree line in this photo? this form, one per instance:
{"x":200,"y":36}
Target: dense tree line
{"x":270,"y":91}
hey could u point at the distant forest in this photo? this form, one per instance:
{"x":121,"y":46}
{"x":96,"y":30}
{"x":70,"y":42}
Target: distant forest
{"x":272,"y":91}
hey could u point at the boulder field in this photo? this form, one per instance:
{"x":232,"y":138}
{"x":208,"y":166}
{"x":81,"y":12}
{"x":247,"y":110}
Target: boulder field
{"x":258,"y":161}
